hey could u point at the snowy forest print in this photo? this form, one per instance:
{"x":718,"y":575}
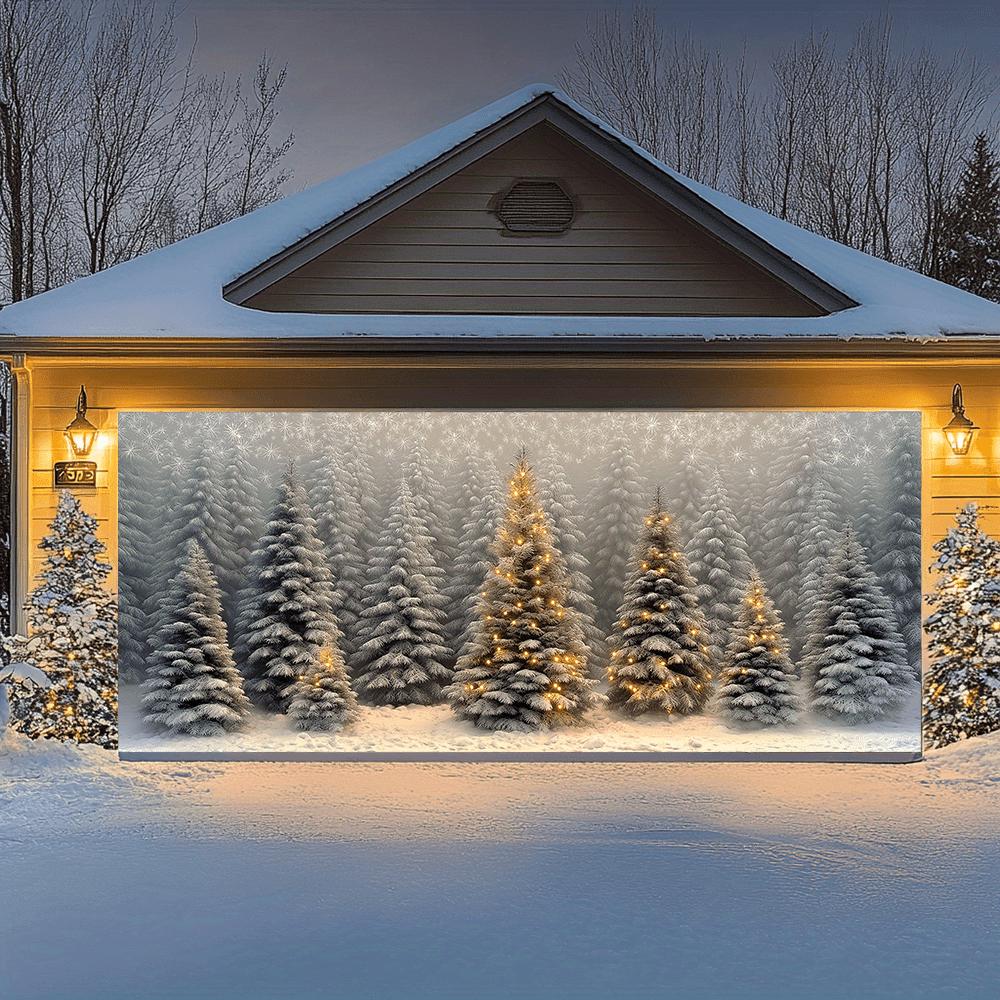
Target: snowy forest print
{"x":528,"y":580}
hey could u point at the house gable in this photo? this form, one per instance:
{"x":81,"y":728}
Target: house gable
{"x":445,"y":248}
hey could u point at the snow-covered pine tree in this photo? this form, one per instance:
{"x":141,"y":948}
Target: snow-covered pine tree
{"x":869,"y":513}
{"x":320,"y":698}
{"x":199,"y":512}
{"x":755,"y":683}
{"x":749,"y":511}
{"x":357,"y":476}
{"x":287,"y":617}
{"x":897,"y":554}
{"x":688,"y":484}
{"x":961,"y":695}
{"x":194,"y":506}
{"x":659,"y":648}
{"x":475,"y":557}
{"x":341,"y":527}
{"x":137,"y":519}
{"x":527,"y":667}
{"x":241,"y":527}
{"x":614,"y":508}
{"x":720,"y":564}
{"x":439,"y":542}
{"x":970,"y":226}
{"x":802,"y":513}
{"x":854,"y":660}
{"x":194,"y":687}
{"x":403,"y":656}
{"x":435,"y":506}
{"x":73,"y":637}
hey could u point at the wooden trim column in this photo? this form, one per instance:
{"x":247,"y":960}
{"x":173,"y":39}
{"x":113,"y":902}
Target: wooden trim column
{"x":20,"y":493}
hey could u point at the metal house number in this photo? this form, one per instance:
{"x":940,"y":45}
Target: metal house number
{"x":74,"y":475}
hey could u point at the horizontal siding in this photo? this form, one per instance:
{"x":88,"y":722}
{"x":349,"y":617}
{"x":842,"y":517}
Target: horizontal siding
{"x":519,"y":256}
{"x":471,"y":301}
{"x":508,"y":285}
{"x":951,"y":481}
{"x":517,"y":270}
{"x":616,"y":244}
{"x":445,"y":252}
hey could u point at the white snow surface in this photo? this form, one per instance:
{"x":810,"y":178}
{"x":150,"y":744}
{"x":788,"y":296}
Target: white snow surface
{"x":176,"y":291}
{"x":767,"y":881}
{"x":419,"y":729}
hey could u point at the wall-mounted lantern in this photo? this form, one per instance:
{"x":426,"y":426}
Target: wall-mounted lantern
{"x":961,"y":429}
{"x":81,"y":434}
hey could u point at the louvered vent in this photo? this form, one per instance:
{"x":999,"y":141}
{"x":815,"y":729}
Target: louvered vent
{"x":536,"y":207}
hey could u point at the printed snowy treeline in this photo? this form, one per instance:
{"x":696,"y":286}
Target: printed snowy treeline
{"x":772,"y":489}
{"x":528,"y":649}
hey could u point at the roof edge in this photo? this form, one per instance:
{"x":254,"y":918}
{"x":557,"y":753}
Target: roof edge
{"x":613,"y":351}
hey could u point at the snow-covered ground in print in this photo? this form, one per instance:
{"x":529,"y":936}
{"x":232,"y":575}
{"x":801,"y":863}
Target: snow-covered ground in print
{"x":435,"y":729}
{"x":482,"y":880}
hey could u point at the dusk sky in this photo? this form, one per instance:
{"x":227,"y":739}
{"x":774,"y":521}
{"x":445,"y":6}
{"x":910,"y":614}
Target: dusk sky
{"x":367,"y":76}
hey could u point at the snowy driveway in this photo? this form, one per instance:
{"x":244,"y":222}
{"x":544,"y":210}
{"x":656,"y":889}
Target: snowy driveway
{"x":483,"y":881}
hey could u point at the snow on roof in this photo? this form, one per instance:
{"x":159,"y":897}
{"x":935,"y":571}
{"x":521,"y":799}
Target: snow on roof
{"x":176,"y":291}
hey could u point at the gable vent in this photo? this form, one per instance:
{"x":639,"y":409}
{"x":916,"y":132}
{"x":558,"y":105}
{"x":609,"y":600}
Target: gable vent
{"x":536,"y":207}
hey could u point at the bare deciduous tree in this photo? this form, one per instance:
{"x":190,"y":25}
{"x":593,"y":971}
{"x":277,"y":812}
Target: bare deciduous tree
{"x":133,"y":136}
{"x":260,"y":173}
{"x":109,"y":143}
{"x":672,"y":100}
{"x":40,"y":61}
{"x":863,"y":146}
{"x":946,"y":105}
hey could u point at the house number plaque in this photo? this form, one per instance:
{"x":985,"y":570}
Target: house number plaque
{"x":73,"y":475}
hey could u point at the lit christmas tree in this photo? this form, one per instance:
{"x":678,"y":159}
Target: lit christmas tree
{"x":194,"y":686}
{"x":659,"y":649}
{"x":73,"y":629}
{"x":755,"y":684}
{"x":527,"y":665}
{"x":962,"y":684}
{"x":854,"y":660}
{"x":320,"y":698}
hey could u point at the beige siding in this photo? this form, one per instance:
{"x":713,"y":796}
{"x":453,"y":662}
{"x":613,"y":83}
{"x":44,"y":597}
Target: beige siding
{"x":446,"y":253}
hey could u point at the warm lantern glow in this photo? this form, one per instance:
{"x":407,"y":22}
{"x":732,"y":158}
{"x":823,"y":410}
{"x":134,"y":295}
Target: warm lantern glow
{"x":961,"y":430}
{"x":81,"y":433}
